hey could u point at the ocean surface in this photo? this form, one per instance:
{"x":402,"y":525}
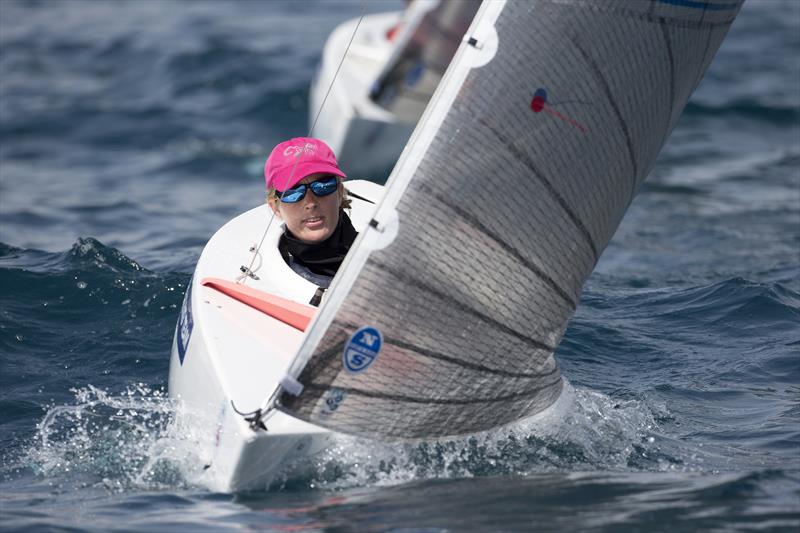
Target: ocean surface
{"x":131,"y":130}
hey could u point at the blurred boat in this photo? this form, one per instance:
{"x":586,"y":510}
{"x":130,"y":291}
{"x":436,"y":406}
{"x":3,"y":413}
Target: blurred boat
{"x":394,"y":64}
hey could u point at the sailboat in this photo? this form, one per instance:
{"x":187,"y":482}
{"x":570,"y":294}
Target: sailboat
{"x":444,"y":318}
{"x":394,"y":63}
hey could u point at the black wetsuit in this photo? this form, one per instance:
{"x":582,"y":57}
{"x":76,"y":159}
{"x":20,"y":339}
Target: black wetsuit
{"x":319,"y":262}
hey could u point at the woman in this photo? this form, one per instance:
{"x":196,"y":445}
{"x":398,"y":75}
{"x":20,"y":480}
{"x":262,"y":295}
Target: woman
{"x":304,"y":189}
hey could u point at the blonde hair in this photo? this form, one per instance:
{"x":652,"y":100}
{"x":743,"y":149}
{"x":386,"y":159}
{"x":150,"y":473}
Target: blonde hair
{"x":272,"y":196}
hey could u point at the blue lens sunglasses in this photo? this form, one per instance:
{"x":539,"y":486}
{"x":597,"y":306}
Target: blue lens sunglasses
{"x":321,"y":187}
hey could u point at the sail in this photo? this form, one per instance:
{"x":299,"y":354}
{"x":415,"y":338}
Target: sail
{"x":428,"y":37}
{"x":446,"y":314}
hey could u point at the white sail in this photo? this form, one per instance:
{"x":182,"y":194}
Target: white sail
{"x":446,"y":314}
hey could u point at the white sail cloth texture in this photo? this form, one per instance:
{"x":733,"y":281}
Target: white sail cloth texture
{"x":522,"y":186}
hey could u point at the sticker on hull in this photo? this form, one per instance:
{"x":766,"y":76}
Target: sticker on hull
{"x":183,"y":331}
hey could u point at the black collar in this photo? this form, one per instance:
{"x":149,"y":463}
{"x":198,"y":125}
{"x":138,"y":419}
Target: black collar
{"x":320,"y":258}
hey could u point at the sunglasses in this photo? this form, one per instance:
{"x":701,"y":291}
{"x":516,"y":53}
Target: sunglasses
{"x":321,"y":187}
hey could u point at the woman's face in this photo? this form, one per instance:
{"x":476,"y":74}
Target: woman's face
{"x":313,"y":219}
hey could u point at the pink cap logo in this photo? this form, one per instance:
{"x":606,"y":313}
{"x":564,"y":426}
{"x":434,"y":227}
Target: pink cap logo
{"x":296,"y":151}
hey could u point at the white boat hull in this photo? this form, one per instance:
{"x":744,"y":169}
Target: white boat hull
{"x":227,"y":356}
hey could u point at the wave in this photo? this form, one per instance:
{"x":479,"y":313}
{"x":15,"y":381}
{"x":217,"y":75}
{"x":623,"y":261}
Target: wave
{"x":722,"y":355}
{"x":133,"y":440}
{"x":735,"y":303}
{"x":746,"y":108}
{"x":602,"y":501}
{"x":92,"y":299}
{"x":130,"y":445}
{"x":86,"y":254}
{"x":89,"y":272}
{"x":677,"y":174}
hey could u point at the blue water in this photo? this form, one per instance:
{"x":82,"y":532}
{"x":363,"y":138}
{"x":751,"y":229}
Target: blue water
{"x":130,"y":131}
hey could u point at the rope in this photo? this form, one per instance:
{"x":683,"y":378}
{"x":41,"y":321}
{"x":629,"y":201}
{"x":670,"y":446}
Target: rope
{"x":335,"y":74}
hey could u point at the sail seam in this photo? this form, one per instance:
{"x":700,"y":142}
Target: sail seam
{"x":442,"y":401}
{"x":703,"y":14}
{"x":674,"y":22}
{"x":695,"y":4}
{"x":522,"y":156}
{"x":668,"y":21}
{"x":463,"y":307}
{"x":466,"y":364}
{"x":703,"y":61}
{"x":671,"y":57}
{"x":311,"y":374}
{"x":668,"y":43}
{"x":511,"y":250}
{"x":324,"y":358}
{"x":615,"y":107}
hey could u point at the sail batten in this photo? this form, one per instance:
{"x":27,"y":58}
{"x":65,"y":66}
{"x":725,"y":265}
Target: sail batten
{"x":399,"y":398}
{"x":466,"y":364}
{"x":612,"y":101}
{"x":452,"y":302}
{"x":505,"y":245}
{"x":547,"y":186}
{"x":541,"y":133}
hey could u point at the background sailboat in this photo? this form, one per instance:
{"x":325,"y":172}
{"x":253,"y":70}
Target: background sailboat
{"x":394,"y":63}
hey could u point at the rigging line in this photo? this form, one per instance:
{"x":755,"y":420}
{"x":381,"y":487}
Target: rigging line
{"x":335,"y":74}
{"x":310,"y":132}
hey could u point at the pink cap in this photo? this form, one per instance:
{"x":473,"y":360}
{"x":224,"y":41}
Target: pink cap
{"x":293,"y":160}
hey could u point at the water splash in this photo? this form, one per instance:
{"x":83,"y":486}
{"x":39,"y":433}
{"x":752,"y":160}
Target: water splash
{"x":585,"y":430}
{"x":128,"y":441}
{"x":140,"y":440}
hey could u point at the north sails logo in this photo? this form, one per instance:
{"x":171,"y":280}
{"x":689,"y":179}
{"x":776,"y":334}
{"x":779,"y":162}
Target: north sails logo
{"x":362,"y":349}
{"x":296,"y":151}
{"x":368,"y":339}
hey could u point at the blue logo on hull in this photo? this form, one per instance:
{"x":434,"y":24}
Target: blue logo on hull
{"x":185,"y":323}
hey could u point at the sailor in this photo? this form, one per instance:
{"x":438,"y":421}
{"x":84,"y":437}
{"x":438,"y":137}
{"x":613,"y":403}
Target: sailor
{"x":304,"y":189}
